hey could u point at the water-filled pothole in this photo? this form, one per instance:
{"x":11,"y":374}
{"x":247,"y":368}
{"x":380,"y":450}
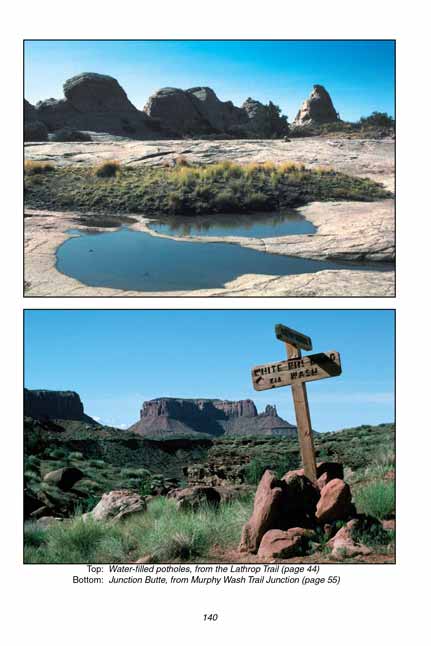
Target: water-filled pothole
{"x":133,"y":260}
{"x":258,"y":225}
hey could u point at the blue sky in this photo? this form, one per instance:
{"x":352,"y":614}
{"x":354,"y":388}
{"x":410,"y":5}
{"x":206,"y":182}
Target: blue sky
{"x":358,"y":74}
{"x":116,"y":359}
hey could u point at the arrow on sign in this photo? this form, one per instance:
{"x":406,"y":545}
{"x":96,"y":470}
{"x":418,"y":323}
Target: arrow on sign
{"x":297,"y":370}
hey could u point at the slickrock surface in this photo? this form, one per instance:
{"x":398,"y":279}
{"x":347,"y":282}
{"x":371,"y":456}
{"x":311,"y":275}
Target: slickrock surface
{"x":372,"y":158}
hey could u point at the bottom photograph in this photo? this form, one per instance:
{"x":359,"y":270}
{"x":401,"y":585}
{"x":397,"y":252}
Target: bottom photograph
{"x":209,"y":436}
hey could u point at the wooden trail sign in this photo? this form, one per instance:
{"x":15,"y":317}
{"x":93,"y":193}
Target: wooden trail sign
{"x":293,"y":337}
{"x":295,"y":372}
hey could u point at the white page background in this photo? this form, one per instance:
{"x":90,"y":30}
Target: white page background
{"x":374,"y":604}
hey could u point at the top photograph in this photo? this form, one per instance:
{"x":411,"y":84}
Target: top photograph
{"x":218,"y":168}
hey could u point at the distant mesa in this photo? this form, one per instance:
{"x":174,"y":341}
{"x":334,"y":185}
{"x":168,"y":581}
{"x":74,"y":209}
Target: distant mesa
{"x":317,"y":109}
{"x":167,"y":418}
{"x":56,"y":405}
{"x":164,"y":417}
{"x":98,"y":103}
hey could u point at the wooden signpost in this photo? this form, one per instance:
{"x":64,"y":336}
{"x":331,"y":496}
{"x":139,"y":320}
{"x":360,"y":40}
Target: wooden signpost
{"x":295,"y":372}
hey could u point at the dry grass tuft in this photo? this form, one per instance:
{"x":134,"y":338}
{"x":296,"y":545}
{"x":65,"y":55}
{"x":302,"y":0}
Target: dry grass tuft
{"x":181,"y":160}
{"x":37,"y":168}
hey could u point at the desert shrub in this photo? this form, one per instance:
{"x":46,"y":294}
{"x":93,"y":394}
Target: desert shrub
{"x":255,"y":201}
{"x":134,"y":472}
{"x":37,"y":168}
{"x":376,"y":499}
{"x":386,"y":458}
{"x":224,"y":200}
{"x":35,"y":131}
{"x":97,"y":463}
{"x":75,"y":455}
{"x":56,"y":454}
{"x":32,"y":462}
{"x":68,"y":134}
{"x":34,"y":534}
{"x":89,"y":503}
{"x":372,"y":535}
{"x":31,"y":475}
{"x":378,"y":119}
{"x":107,"y":169}
{"x":254,"y":471}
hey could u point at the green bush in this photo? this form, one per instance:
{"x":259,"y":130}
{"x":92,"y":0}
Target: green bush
{"x":254,"y":471}
{"x":256,"y":467}
{"x":376,"y":499}
{"x":378,"y":119}
{"x":75,"y":455}
{"x":107,"y":169}
{"x":373,"y":536}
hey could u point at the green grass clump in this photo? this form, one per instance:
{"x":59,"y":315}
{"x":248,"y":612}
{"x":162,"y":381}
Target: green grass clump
{"x":373,"y":536}
{"x":34,"y":535}
{"x":192,"y":190}
{"x":376,"y":499}
{"x":164,"y":532}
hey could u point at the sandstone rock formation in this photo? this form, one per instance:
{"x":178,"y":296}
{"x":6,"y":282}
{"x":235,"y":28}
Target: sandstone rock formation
{"x":343,"y":544}
{"x":97,"y":102}
{"x":335,"y":502}
{"x":198,"y":111}
{"x":116,"y":505}
{"x":196,"y":496}
{"x":54,"y":404}
{"x":283,"y":506}
{"x":169,"y":416}
{"x":192,"y":498}
{"x":64,"y":478}
{"x":264,"y":120}
{"x":267,"y":513}
{"x":277,"y":544}
{"x":96,"y":93}
{"x":34,"y":129}
{"x":317,"y":109}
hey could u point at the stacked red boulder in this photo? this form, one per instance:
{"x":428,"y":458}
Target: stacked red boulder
{"x":287,"y":512}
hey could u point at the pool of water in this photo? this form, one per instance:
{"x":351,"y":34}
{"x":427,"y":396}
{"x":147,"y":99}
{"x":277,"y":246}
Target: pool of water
{"x":133,"y":260}
{"x":261,"y":225}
